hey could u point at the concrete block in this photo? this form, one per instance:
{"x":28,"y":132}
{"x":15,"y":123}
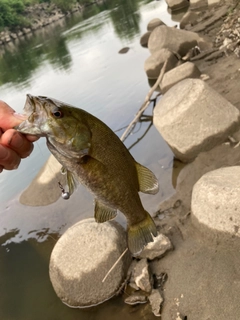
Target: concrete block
{"x":81,"y":259}
{"x":184,"y":71}
{"x":175,"y":40}
{"x":192,"y":117}
{"x":216,"y":200}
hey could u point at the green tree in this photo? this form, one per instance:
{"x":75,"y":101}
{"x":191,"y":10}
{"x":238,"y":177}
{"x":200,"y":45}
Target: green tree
{"x":63,"y":4}
{"x":10,"y":11}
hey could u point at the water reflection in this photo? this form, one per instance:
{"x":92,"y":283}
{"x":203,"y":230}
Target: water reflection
{"x":53,"y":49}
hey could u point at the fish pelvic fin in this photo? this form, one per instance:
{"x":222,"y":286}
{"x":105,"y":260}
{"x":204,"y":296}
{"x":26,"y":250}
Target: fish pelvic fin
{"x":148,"y":183}
{"x":140,"y":234}
{"x":71,"y":182}
{"x":103,"y":213}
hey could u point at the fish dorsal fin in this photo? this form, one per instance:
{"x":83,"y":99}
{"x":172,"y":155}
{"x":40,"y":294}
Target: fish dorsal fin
{"x":71,"y":182}
{"x":148,"y":183}
{"x":103,"y":213}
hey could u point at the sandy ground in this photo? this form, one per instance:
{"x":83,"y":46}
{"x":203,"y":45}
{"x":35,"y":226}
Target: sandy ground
{"x":204,"y":267}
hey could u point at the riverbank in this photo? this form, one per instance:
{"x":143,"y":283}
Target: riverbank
{"x":39,"y":16}
{"x":203,"y":273}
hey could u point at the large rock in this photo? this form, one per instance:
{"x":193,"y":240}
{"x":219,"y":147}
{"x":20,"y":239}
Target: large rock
{"x":216,"y":200}
{"x":184,"y":71}
{"x":198,"y":3}
{"x":189,"y":18}
{"x":179,"y":41}
{"x":192,"y":117}
{"x":144,"y":39}
{"x":155,"y":62}
{"x":154,"y":23}
{"x":81,"y":259}
{"x":177,"y":4}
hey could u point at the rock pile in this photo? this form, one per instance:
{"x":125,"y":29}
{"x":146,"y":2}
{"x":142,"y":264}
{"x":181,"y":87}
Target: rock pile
{"x":144,"y":285}
{"x":229,"y":36}
{"x":188,"y":117}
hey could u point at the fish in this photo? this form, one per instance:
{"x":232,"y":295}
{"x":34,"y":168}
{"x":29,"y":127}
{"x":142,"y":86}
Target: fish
{"x":92,"y":154}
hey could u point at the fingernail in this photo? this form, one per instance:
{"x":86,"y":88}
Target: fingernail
{"x":20,"y":116}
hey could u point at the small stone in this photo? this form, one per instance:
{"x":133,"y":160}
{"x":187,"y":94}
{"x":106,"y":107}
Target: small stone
{"x":157,"y":248}
{"x":124,"y":50}
{"x":136,"y":298}
{"x":156,"y":300}
{"x":204,"y":77}
{"x":142,"y":276}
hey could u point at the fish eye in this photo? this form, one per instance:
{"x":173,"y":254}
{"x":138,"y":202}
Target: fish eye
{"x":57,"y":114}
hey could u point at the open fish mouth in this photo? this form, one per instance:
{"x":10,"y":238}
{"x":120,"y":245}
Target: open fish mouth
{"x":35,"y":114}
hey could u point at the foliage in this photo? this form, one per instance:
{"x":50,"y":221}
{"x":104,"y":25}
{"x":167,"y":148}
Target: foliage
{"x":10,"y":11}
{"x":63,"y":4}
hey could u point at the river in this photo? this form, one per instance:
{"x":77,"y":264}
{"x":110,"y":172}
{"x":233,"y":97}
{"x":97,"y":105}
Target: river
{"x":75,"y":60}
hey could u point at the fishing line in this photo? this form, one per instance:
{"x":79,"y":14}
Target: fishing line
{"x":65,"y":194}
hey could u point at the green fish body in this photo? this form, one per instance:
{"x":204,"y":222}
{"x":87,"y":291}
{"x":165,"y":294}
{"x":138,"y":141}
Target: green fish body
{"x":92,"y":153}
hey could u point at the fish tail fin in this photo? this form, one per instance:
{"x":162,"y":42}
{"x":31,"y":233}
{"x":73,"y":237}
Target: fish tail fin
{"x":141,"y":233}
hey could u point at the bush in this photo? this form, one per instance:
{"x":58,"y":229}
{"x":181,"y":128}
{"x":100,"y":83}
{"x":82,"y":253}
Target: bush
{"x":9,"y":11}
{"x":63,"y":4}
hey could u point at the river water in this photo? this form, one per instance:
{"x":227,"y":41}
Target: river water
{"x":76,"y":60}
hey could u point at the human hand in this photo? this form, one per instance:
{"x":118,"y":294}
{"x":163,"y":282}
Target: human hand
{"x":14,"y":146}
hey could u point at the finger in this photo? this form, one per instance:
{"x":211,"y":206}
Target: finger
{"x":31,"y":138}
{"x":9,"y":159}
{"x":8,"y":117}
{"x":18,"y":142}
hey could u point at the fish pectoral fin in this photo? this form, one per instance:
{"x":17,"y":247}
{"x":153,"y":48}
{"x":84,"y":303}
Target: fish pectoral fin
{"x":148,"y":183}
{"x":140,"y":234}
{"x":81,"y":142}
{"x":103,"y":213}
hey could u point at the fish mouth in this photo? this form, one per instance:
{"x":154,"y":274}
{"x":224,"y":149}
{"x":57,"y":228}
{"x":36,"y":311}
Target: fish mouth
{"x":35,"y":114}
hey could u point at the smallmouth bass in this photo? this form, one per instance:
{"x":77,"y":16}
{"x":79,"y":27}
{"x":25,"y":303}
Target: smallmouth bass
{"x":91,"y":153}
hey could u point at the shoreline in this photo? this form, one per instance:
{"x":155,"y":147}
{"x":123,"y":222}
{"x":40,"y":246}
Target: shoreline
{"x":40,"y":16}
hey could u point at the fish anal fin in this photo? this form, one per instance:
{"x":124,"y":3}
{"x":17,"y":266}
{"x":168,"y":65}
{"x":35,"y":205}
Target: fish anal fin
{"x":103,"y":213}
{"x":148,"y":183}
{"x":140,"y":234}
